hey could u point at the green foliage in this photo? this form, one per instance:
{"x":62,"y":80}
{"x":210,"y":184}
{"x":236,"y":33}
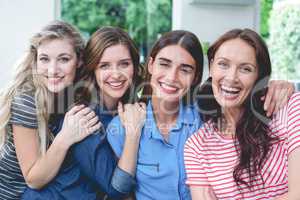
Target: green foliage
{"x":143,"y":19}
{"x":284,"y":41}
{"x":265,"y":9}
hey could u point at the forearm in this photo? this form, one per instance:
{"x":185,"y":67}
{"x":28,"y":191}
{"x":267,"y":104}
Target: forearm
{"x":48,"y":165}
{"x":282,"y":197}
{"x":128,"y":159}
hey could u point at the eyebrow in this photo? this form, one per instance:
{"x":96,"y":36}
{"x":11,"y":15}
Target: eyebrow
{"x":244,"y":63}
{"x":169,"y":61}
{"x":62,"y":54}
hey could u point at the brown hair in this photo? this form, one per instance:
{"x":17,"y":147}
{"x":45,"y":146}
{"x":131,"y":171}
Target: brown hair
{"x":187,"y":41}
{"x":100,"y":40}
{"x":252,"y":133}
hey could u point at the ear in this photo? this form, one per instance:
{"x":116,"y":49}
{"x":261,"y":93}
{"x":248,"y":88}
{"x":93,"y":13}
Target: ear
{"x":209,"y":68}
{"x":150,"y":65}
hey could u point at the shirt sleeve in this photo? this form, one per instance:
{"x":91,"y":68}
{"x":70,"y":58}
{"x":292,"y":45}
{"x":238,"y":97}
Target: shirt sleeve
{"x":293,"y":123}
{"x":195,"y":171}
{"x":23,"y":111}
{"x":116,"y":136}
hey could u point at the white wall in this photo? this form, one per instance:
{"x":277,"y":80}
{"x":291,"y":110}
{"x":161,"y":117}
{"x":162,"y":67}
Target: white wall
{"x":19,"y":20}
{"x":209,"y":21}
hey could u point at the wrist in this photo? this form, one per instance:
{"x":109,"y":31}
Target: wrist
{"x":61,"y":142}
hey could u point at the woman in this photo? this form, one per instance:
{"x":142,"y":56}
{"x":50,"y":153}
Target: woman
{"x":29,"y":153}
{"x":240,"y":153}
{"x":174,"y":69}
{"x":111,"y":70}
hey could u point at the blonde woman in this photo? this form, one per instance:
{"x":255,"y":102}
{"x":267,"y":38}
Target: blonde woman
{"x":29,"y":152}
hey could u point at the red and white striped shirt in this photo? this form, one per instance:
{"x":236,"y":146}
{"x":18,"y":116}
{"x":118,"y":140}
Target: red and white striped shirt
{"x":210,"y":158}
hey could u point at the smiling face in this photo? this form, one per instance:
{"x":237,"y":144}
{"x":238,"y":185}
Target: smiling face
{"x":114,"y":72}
{"x":57,"y":63}
{"x":172,"y":73}
{"x":234,"y":72}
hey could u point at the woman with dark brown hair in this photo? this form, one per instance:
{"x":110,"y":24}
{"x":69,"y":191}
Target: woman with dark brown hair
{"x":240,"y":152}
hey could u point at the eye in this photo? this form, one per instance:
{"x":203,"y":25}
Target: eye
{"x":103,"y":66}
{"x":64,"y":59}
{"x":164,"y":64}
{"x":124,"y":64}
{"x":246,"y":69}
{"x":44,"y":59}
{"x":187,"y":70}
{"x":222,"y":64}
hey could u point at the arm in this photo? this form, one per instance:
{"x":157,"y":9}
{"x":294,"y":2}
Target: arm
{"x":293,"y":141}
{"x":203,"y":193}
{"x":277,"y":96}
{"x":132,"y":117}
{"x":39,"y":169}
{"x":97,"y":160}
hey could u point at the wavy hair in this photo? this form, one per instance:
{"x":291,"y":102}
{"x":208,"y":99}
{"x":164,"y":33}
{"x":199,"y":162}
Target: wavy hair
{"x":252,"y":132}
{"x":191,"y":44}
{"x":102,"y":39}
{"x":27,"y":80}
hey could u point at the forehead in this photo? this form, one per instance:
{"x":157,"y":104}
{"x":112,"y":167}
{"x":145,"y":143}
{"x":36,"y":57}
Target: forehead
{"x":236,"y":49}
{"x":118,"y":51}
{"x":176,"y":54}
{"x":56,"y":46}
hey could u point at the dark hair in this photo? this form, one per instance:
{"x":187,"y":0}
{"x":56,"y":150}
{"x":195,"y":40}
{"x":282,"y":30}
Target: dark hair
{"x":102,"y":39}
{"x":252,"y":133}
{"x":187,"y":41}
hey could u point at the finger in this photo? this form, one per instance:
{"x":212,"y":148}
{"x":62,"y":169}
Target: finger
{"x":92,"y":121}
{"x":120,"y":107}
{"x":84,"y":111}
{"x":271,"y":108}
{"x":90,"y":115}
{"x":282,"y":101}
{"x":75,"y":109}
{"x":143,"y":105}
{"x":263,"y":98}
{"x":269,"y":96}
{"x":94,"y":128}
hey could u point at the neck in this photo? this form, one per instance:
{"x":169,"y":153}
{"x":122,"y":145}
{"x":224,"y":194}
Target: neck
{"x":165,"y":114}
{"x":229,"y":120}
{"x":109,"y":102}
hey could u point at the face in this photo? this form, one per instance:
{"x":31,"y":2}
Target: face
{"x":114,"y":72}
{"x":172,"y":73}
{"x":234,"y":72}
{"x":57,"y":63}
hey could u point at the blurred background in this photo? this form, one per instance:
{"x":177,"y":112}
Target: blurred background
{"x":278,"y":21}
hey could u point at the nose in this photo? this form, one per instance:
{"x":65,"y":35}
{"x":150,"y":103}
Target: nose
{"x":116,"y":72}
{"x":232,"y":73}
{"x":52,"y":68}
{"x":172,"y":74}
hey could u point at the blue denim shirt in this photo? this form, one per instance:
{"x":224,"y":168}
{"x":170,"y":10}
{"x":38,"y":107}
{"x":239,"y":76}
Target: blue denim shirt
{"x":89,"y":168}
{"x":160,"y":170}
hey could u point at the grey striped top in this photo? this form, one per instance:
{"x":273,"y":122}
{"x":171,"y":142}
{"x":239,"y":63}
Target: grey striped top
{"x":23,"y":113}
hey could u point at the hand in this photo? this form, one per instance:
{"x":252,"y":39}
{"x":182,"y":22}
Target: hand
{"x":132,"y":117}
{"x":277,"y":96}
{"x":79,"y":122}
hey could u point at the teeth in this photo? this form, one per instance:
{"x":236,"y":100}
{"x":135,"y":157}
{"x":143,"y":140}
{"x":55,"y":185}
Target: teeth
{"x":115,"y":84}
{"x":230,"y":89}
{"x":168,"y":87}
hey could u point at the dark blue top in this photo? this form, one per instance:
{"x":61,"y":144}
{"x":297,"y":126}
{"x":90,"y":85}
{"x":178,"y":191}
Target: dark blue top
{"x":90,"y":168}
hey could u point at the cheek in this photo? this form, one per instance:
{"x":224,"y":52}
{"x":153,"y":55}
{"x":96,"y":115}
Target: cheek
{"x":128,"y":73}
{"x":101,"y":76}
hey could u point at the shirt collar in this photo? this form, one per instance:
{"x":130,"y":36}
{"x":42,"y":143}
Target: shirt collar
{"x":186,"y":116}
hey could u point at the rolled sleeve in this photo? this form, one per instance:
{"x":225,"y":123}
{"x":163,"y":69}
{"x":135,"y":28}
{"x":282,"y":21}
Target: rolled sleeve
{"x":122,"y":181}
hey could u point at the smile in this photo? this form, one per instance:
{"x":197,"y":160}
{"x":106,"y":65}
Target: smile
{"x":116,"y":84}
{"x":168,"y":88}
{"x":230,"y":92}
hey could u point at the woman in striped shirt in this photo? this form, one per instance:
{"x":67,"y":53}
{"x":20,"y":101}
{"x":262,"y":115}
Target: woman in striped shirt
{"x":240,"y":153}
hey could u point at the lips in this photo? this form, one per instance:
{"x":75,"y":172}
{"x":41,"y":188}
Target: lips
{"x":230,"y":93}
{"x":54,"y":80}
{"x":168,"y":88}
{"x":116,"y":84}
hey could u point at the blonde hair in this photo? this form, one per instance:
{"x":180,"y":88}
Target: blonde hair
{"x":27,"y":80}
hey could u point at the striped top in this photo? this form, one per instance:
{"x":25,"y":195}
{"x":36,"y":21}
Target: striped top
{"x":23,"y":113}
{"x":210,"y":158}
